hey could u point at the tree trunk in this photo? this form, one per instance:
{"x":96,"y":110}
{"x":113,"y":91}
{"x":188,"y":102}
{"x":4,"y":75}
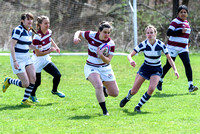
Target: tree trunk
{"x":54,"y":12}
{"x":175,"y":7}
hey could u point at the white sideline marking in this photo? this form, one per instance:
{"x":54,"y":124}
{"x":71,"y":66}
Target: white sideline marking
{"x":68,"y":54}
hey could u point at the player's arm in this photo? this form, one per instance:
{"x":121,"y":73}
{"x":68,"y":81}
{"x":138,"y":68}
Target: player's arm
{"x":12,"y":50}
{"x":41,"y":53}
{"x":77,"y":36}
{"x":170,"y":32}
{"x":105,"y":59}
{"x":132,"y":62}
{"x":171,"y":62}
{"x":54,"y":44}
{"x":35,"y":46}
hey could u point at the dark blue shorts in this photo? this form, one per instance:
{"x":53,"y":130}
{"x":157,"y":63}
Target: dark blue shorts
{"x":147,"y":71}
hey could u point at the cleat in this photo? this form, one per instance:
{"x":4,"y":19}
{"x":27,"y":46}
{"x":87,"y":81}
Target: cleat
{"x":34,"y":99}
{"x":60,"y":94}
{"x":193,"y":88}
{"x":123,"y":102}
{"x":6,"y":84}
{"x":27,"y":103}
{"x":106,"y":114}
{"x":159,"y":86}
{"x":104,"y":91}
{"x":137,"y":109}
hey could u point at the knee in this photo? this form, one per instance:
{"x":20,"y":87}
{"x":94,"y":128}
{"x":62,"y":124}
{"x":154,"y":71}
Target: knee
{"x":57,"y":75}
{"x":25,"y":84}
{"x":99,"y":87}
{"x":115,"y":93}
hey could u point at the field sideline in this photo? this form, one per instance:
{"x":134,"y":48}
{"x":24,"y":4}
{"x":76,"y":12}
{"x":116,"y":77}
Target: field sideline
{"x":174,"y":110}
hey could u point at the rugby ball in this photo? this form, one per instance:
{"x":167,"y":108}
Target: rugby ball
{"x":106,"y":48}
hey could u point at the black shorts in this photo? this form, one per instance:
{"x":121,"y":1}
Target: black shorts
{"x":147,"y":71}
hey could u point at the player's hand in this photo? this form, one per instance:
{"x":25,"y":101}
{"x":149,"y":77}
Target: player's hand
{"x":76,"y":40}
{"x":16,"y":65}
{"x":176,"y":74}
{"x":133,"y":63}
{"x":52,"y":49}
{"x":184,"y":29}
{"x":100,"y":52}
{"x":58,"y":50}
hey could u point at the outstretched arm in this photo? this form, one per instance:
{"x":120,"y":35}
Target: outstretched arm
{"x":77,"y":37}
{"x":171,"y":62}
{"x":54,"y":44}
{"x":132,"y":62}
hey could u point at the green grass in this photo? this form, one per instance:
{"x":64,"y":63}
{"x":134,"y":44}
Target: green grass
{"x":174,"y":110}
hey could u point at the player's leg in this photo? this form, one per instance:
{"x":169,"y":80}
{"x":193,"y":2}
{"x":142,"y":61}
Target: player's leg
{"x":136,"y":86}
{"x":166,"y":68}
{"x":53,"y":70}
{"x":153,"y":82}
{"x":188,"y":70}
{"x":112,"y":88}
{"x":94,"y":78}
{"x":37,"y":84}
{"x":29,"y":80}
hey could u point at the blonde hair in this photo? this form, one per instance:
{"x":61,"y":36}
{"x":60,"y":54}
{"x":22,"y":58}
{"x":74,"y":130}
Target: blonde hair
{"x":40,"y":20}
{"x":153,"y":27}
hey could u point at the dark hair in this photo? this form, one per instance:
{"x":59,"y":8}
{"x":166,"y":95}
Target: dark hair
{"x":182,"y":7}
{"x":105,"y":24}
{"x":40,"y":20}
{"x":26,"y":15}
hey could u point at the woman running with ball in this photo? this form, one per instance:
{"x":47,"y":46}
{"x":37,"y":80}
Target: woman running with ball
{"x":97,"y":67}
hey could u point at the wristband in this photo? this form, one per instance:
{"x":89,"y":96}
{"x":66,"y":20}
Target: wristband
{"x":14,"y":61}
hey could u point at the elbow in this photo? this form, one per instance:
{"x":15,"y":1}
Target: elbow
{"x":107,"y":62}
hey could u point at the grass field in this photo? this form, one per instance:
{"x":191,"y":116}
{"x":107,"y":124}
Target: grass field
{"x":174,"y":110}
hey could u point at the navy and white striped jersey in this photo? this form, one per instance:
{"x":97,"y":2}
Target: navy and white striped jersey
{"x":152,"y":53}
{"x":23,"y":37}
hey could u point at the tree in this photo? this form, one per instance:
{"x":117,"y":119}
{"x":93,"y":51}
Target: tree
{"x":175,"y":7}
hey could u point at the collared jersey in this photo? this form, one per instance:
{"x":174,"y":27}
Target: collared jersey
{"x":152,"y":53}
{"x":182,"y":39}
{"x":24,"y":39}
{"x":93,"y":43}
{"x":43,"y":39}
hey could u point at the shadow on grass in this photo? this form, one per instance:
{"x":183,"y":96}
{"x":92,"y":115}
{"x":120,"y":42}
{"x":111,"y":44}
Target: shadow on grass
{"x":14,"y":107}
{"x":134,"y":113}
{"x":160,"y":94}
{"x":19,"y":106}
{"x":48,"y":104}
{"x":84,"y":117}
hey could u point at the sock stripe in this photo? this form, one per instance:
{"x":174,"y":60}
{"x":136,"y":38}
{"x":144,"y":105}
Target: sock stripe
{"x":28,"y":91}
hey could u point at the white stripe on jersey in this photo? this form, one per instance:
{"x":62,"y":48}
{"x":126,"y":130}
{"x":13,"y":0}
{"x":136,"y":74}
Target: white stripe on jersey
{"x":24,"y":39}
{"x":93,"y":47}
{"x":152,"y":53}
{"x":179,"y":39}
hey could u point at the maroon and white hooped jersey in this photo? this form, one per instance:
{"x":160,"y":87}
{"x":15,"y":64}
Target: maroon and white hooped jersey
{"x":43,"y":39}
{"x":93,"y":43}
{"x":180,"y":40}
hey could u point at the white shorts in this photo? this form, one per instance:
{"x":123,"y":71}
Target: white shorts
{"x":23,"y":60}
{"x":174,"y":51}
{"x":40,"y":62}
{"x":106,"y":73}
